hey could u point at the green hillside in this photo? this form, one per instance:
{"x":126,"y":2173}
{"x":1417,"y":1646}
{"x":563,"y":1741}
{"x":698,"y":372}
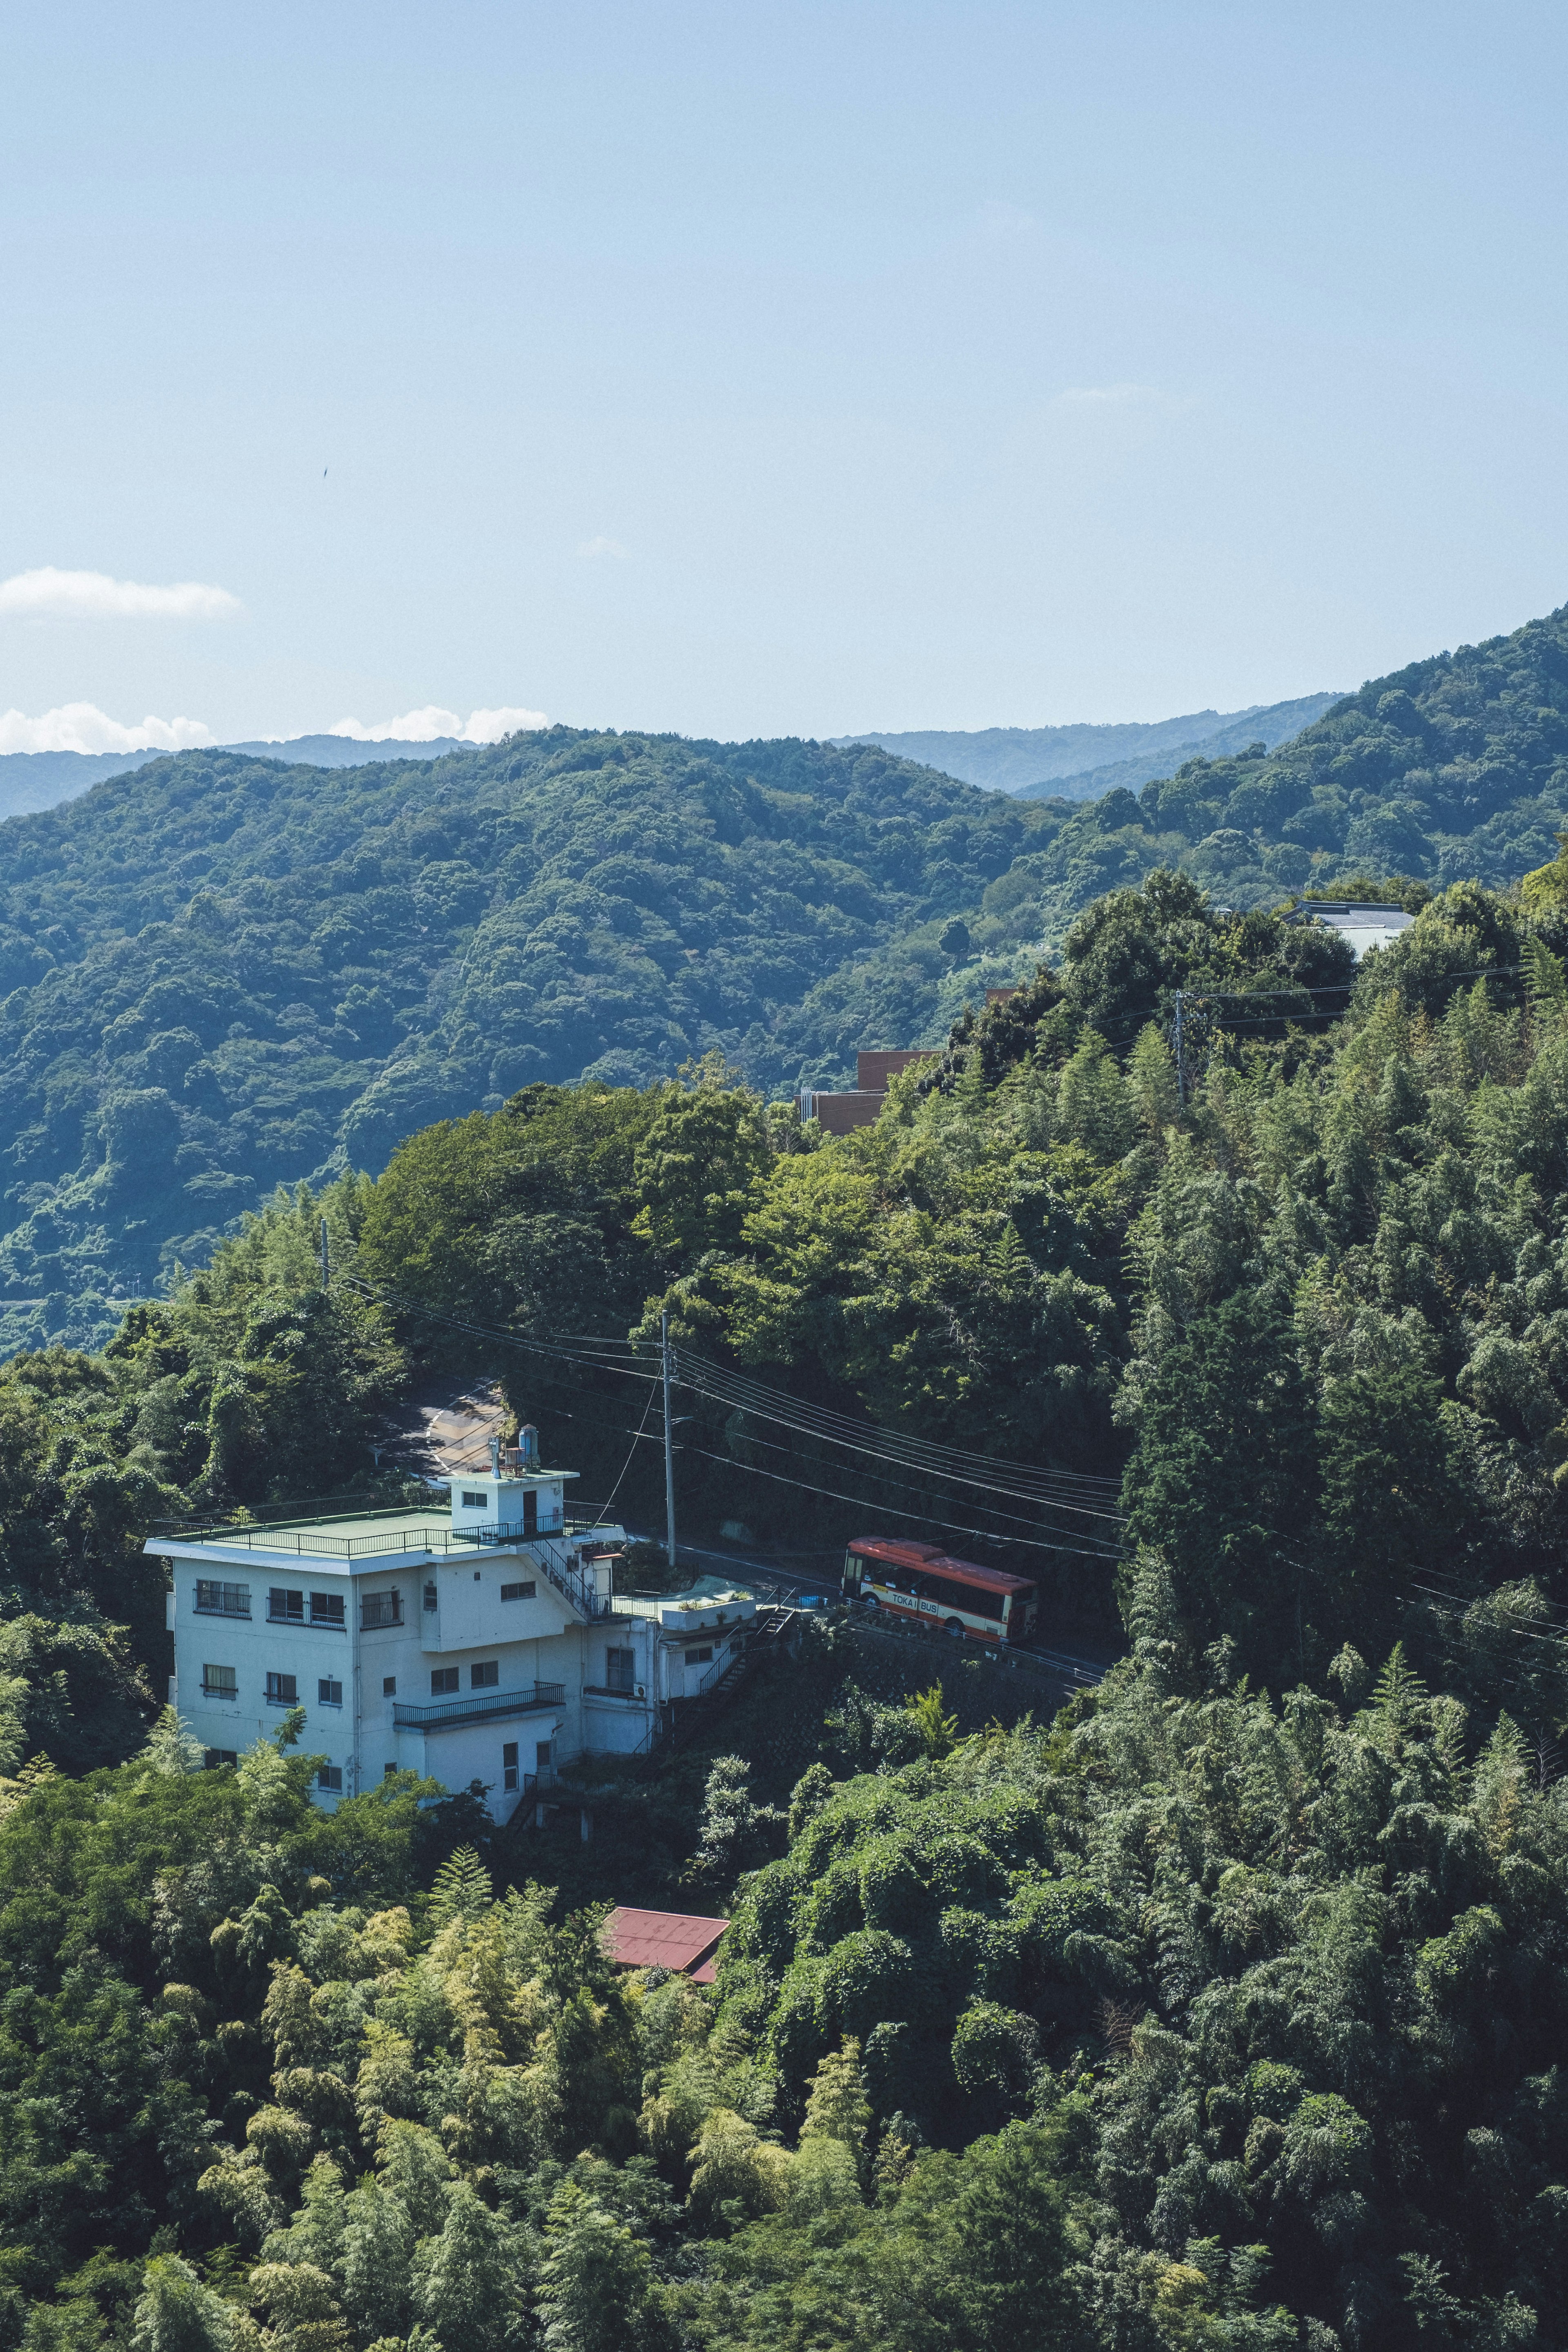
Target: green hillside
{"x":1452,"y":770}
{"x":1226,"y":2011}
{"x":224,"y":973}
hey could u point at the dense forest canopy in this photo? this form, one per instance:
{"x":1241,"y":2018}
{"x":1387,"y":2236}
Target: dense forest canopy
{"x":1226,"y":2011}
{"x":220,"y":972}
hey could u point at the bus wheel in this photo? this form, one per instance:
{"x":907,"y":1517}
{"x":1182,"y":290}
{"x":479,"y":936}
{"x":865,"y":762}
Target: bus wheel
{"x":955,"y":1627}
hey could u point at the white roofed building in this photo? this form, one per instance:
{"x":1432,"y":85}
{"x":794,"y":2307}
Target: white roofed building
{"x":482,"y":1641}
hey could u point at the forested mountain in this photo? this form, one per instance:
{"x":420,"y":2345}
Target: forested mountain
{"x":225,"y":972}
{"x":41,"y":780}
{"x":1225,"y":2012}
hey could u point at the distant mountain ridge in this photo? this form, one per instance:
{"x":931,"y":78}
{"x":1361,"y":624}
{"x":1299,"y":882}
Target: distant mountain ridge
{"x":1048,"y":761}
{"x":1079,"y":762}
{"x":30,"y":780}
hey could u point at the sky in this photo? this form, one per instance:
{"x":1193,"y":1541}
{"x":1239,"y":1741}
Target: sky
{"x":745,"y":371}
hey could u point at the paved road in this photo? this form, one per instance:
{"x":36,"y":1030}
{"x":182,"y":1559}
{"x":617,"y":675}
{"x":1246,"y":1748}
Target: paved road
{"x":1077,"y":1660}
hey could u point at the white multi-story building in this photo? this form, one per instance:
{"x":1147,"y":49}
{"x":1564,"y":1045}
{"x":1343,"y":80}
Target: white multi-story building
{"x":480,"y":1642}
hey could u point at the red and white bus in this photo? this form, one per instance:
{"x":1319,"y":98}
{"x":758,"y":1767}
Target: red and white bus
{"x":919,"y":1581}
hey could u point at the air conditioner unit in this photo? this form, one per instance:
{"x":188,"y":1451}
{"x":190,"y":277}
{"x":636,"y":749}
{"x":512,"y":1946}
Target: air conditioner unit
{"x":640,"y":1692}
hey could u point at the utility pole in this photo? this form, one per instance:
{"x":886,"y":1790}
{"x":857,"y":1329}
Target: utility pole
{"x":326,"y":1259}
{"x":668,"y":1447}
{"x":1181,"y":1058}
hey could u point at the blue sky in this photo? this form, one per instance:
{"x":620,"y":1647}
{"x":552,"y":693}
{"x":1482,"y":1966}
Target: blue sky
{"x":744,"y":371}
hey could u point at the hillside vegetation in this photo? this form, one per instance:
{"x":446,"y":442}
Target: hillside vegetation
{"x":1227,"y":2011}
{"x":219,"y":972}
{"x":224,"y":972}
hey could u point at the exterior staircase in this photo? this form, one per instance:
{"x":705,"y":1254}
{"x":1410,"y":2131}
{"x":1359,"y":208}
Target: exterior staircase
{"x":765,"y":1637}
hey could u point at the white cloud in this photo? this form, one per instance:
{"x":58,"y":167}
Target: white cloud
{"x":414,"y":727}
{"x":593,"y":547}
{"x":82,"y":726}
{"x":425,"y":726}
{"x":94,"y":596}
{"x":489,"y":726}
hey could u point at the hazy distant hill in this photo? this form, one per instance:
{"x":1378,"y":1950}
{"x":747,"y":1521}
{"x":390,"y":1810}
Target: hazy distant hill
{"x":42,"y":779}
{"x":342,"y":752}
{"x":1080,"y":762}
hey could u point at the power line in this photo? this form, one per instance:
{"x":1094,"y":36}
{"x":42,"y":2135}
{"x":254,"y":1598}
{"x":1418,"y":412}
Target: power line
{"x":1027,"y":1543}
{"x":1107,"y":1552}
{"x":935,"y":1471}
{"x":923,"y":1452}
{"x":767,"y":1404}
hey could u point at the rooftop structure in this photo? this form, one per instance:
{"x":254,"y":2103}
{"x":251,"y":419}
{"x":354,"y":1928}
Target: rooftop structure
{"x":482,"y":1641}
{"x":859,"y":1107}
{"x":1364,"y":924}
{"x":684,"y":1944}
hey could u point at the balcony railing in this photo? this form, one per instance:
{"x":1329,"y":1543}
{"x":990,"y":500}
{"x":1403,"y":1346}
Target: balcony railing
{"x":478,"y":1708}
{"x":311,"y":1543}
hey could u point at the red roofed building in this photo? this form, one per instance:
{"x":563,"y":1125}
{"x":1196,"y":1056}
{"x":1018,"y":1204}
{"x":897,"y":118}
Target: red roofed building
{"x":686,"y":1945}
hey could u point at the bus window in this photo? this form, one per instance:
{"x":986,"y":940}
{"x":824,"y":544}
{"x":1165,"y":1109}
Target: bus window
{"x":852,"y":1572}
{"x":973,"y":1599}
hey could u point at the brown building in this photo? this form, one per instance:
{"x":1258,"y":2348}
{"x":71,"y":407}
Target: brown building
{"x":874,"y":1065}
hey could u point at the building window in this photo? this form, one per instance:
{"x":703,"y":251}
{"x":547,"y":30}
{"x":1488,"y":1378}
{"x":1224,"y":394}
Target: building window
{"x":331,"y":1776}
{"x":282,"y":1690}
{"x":389,"y":1772}
{"x":518,"y":1591}
{"x":509,"y":1764}
{"x":284,"y":1607}
{"x":222,"y":1600}
{"x":443,"y":1678}
{"x":220,"y":1682}
{"x":542,"y":1756}
{"x":473,"y":1502}
{"x":389,"y":1686}
{"x":327,"y":1609}
{"x":699,"y":1657}
{"x":328,"y":1694}
{"x":380,"y":1608}
{"x":217,"y":1756}
{"x":619,"y":1665}
{"x":485,"y":1677}
{"x":430,"y":1596}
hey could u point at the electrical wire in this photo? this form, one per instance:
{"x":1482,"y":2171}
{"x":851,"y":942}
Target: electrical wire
{"x":1027,"y":1543}
{"x":1106,"y":1551}
{"x":693,"y":1369}
{"x":767,"y":1404}
{"x":934,"y":1470}
{"x":639,"y":1432}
